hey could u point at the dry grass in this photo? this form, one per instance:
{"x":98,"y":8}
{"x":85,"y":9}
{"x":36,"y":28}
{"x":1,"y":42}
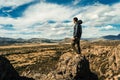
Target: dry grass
{"x":42,"y":58}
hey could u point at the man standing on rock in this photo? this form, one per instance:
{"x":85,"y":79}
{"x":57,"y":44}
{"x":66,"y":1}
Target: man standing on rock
{"x":77,"y":35}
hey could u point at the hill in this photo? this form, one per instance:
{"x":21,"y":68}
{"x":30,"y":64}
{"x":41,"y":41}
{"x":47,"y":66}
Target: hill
{"x":9,"y":41}
{"x":112,"y":37}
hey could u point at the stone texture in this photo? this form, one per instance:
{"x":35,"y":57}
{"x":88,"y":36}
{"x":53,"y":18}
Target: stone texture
{"x":72,"y":67}
{"x":7,"y":71}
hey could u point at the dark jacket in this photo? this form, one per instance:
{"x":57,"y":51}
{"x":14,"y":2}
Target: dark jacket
{"x":77,"y":29}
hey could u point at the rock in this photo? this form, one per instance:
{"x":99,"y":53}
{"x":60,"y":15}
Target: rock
{"x":114,"y":64}
{"x":72,"y":67}
{"x":7,"y":71}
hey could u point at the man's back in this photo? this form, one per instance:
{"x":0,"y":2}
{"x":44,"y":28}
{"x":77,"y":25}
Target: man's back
{"x":78,"y":29}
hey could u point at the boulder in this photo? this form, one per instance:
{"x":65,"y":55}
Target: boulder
{"x":72,"y":67}
{"x":7,"y":71}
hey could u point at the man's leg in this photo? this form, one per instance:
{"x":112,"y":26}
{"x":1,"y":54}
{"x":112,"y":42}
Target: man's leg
{"x":73,"y":45}
{"x":78,"y":47}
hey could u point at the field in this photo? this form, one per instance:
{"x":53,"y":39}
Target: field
{"x":37,"y":60}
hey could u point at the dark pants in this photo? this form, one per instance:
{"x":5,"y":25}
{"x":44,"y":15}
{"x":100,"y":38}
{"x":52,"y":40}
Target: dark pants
{"x":74,"y":43}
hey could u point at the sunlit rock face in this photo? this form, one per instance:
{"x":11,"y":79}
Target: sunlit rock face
{"x":72,"y":67}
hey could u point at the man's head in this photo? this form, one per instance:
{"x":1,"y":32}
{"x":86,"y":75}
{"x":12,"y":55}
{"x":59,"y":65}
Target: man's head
{"x":75,"y":19}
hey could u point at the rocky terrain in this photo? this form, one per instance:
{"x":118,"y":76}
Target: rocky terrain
{"x":72,"y":67}
{"x":57,"y":61}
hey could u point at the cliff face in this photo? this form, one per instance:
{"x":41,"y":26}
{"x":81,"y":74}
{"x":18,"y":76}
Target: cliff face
{"x":69,"y":67}
{"x":78,"y":67}
{"x":72,"y":67}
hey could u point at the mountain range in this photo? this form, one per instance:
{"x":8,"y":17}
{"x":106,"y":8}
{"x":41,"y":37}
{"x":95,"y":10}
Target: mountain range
{"x":112,"y":37}
{"x":9,"y":41}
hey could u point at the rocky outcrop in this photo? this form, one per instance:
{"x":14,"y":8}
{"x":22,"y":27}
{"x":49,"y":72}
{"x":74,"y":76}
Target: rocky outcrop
{"x":107,"y":63}
{"x":7,"y":71}
{"x":39,"y":61}
{"x":72,"y":67}
{"x":114,"y":64}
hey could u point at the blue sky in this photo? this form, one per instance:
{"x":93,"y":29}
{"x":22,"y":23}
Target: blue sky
{"x":53,"y":18}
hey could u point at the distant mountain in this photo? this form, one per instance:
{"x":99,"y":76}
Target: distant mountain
{"x":41,"y":40}
{"x":112,"y":37}
{"x":9,"y":41}
{"x":107,"y":37}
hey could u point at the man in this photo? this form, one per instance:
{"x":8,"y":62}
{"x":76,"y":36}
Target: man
{"x":77,"y":35}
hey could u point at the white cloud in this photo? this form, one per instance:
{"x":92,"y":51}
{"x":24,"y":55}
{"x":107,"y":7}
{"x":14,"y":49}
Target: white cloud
{"x":41,"y":13}
{"x":98,"y":15}
{"x":75,"y":2}
{"x":13,"y":3}
{"x":57,"y":30}
{"x":108,"y":27}
{"x":46,"y":11}
{"x":89,"y":32}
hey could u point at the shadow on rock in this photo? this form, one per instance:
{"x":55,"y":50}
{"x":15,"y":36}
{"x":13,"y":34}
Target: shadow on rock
{"x":72,"y":67}
{"x":7,"y":71}
{"x":83,"y":70}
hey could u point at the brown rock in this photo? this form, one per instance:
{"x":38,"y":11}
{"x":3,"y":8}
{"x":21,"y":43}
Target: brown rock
{"x":72,"y":67}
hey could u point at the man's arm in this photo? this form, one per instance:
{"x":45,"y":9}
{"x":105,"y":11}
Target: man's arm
{"x":76,"y":31}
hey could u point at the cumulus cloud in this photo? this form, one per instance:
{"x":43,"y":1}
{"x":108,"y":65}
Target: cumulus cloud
{"x":34,"y":21}
{"x":47,"y":11}
{"x":40,"y":14}
{"x":13,"y":3}
{"x":97,"y":16}
{"x":108,"y":27}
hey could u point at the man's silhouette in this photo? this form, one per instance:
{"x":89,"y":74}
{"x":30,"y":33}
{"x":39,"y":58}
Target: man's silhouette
{"x":77,"y":35}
